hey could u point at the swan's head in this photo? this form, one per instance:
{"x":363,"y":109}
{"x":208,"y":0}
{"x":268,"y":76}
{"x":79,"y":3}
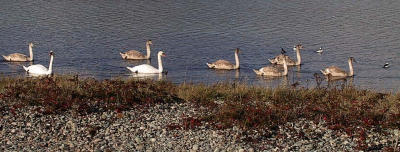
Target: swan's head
{"x":161,"y":53}
{"x":149,"y":42}
{"x":351,"y":59}
{"x":237,"y":50}
{"x":31,"y":44}
{"x":51,"y":53}
{"x":298,"y":46}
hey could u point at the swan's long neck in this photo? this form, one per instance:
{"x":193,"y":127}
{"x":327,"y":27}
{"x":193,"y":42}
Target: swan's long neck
{"x":351,"y":72}
{"x":148,"y":50}
{"x":237,"y":60}
{"x":160,"y":67}
{"x":30,"y":53}
{"x":285,"y":68}
{"x":298,"y":56}
{"x":50,"y":65}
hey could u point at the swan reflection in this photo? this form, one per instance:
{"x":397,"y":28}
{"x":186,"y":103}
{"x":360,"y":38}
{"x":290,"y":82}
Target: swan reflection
{"x":141,"y":76}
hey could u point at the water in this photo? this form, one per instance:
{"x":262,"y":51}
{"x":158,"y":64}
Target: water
{"x":86,"y":37}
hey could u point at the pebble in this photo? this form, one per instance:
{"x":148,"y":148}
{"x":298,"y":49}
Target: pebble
{"x":147,"y":131}
{"x":195,"y":147}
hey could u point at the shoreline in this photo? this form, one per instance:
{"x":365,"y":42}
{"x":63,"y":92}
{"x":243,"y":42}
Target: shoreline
{"x":100,"y":115}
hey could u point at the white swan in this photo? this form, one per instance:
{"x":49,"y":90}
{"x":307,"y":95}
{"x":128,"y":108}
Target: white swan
{"x":135,"y":55}
{"x":279,"y":59}
{"x":145,"y":68}
{"x":225,"y":65}
{"x":337,"y":72}
{"x":18,"y":57}
{"x":273,"y":71}
{"x":39,"y":69}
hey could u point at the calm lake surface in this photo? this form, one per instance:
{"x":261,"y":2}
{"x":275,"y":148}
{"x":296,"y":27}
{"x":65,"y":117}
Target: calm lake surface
{"x":87,"y":37}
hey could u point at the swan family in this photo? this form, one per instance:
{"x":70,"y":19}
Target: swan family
{"x":273,"y":70}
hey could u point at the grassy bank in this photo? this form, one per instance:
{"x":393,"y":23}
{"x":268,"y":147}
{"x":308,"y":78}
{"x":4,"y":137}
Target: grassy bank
{"x":228,"y":104}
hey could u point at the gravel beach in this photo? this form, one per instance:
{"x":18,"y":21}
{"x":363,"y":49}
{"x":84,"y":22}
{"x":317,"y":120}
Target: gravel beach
{"x":146,"y":129}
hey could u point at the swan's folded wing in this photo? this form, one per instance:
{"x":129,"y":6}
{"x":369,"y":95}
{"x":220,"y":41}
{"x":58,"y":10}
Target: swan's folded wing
{"x":37,"y":68}
{"x":18,"y":56}
{"x":144,"y":68}
{"x":269,"y":69}
{"x":134,"y":53}
{"x":222,"y":62}
{"x":335,"y":69}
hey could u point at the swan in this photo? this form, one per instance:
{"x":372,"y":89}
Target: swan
{"x":337,"y":72}
{"x":145,"y":68}
{"x":39,"y":69}
{"x":225,"y":65}
{"x":273,"y":71}
{"x":279,"y":59}
{"x":135,"y":55}
{"x":18,"y":57}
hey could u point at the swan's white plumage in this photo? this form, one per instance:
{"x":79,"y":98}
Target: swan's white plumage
{"x":38,"y":69}
{"x":145,"y":68}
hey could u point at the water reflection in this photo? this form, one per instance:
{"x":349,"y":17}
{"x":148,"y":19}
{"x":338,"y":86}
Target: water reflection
{"x":227,"y":73}
{"x":138,"y":62}
{"x":17,"y":65}
{"x":334,"y":82}
{"x":282,"y":81}
{"x":154,"y":76}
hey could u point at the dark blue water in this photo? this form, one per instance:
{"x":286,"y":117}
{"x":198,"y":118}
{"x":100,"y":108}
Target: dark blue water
{"x":86,"y":37}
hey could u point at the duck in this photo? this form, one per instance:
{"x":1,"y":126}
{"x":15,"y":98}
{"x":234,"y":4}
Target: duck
{"x":39,"y":70}
{"x":320,"y":50}
{"x":279,"y":59}
{"x":386,"y":65}
{"x":18,"y":57}
{"x":273,"y":71}
{"x":135,"y":55}
{"x":146,"y":68}
{"x":226,"y":65}
{"x":335,"y":71}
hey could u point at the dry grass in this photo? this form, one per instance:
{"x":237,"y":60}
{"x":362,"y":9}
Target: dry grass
{"x":229,"y":104}
{"x":258,"y":107}
{"x":59,"y":94}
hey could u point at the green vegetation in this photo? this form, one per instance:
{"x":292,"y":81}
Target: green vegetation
{"x":228,"y":104}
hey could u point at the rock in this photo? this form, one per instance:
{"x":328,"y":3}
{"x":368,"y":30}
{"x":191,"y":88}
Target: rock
{"x":140,"y":147}
{"x":195,"y":147}
{"x":153,"y":140}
